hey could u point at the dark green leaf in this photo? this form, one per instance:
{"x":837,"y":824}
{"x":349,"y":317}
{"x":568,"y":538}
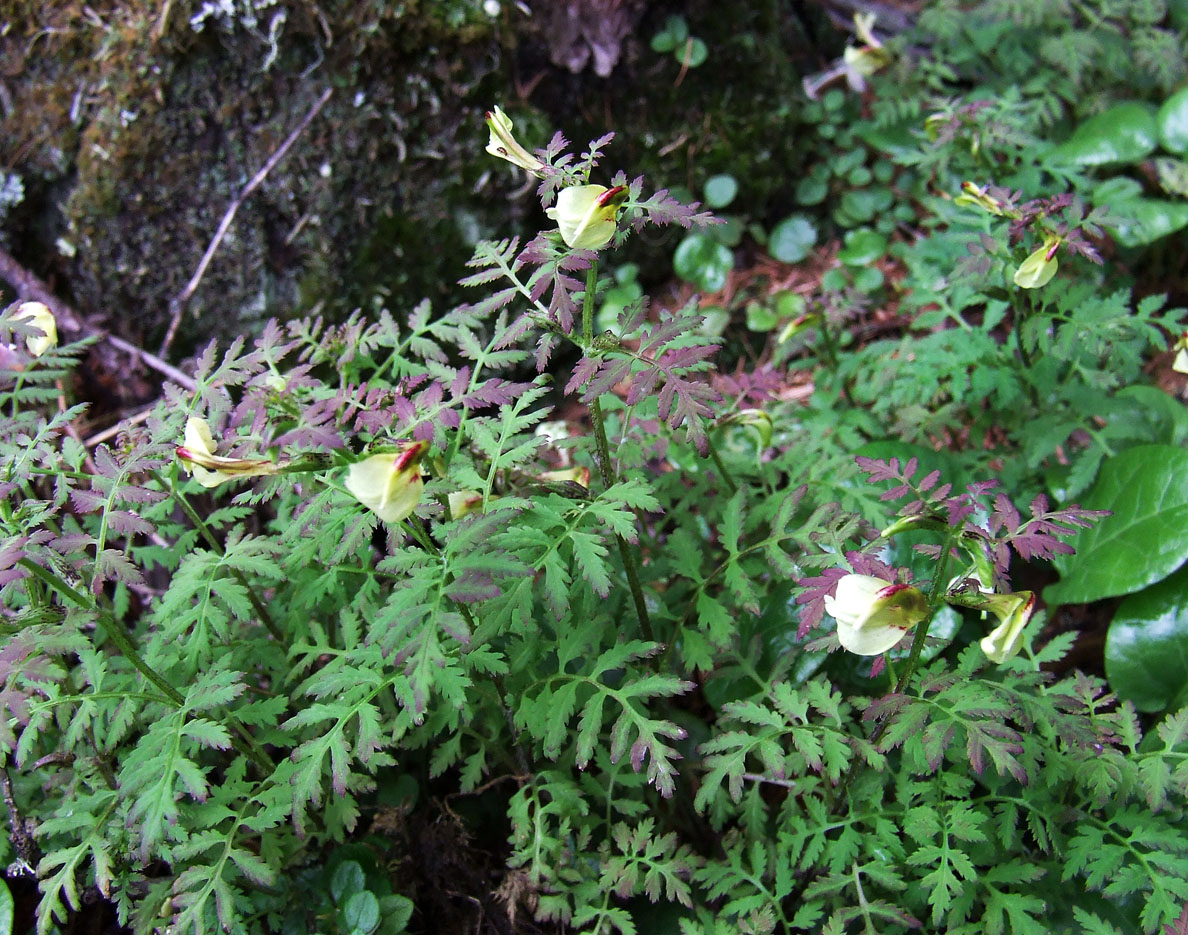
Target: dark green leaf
{"x":1146,"y":537}
{"x":1124,"y":133}
{"x":703,"y":261}
{"x":1146,"y":654}
{"x":1173,"y":122}
{"x":362,"y":913}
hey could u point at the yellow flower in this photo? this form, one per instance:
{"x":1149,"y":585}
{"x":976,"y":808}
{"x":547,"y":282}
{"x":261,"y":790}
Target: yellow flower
{"x":389,"y":484}
{"x":505,"y":146}
{"x":40,"y":317}
{"x":870,"y":57}
{"x":1039,"y":268}
{"x":1180,"y":363}
{"x":1013,"y":612}
{"x":197,"y":454}
{"x":872,"y":614}
{"x":586,"y":214}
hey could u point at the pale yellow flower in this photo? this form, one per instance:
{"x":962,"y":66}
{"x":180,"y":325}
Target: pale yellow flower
{"x":39,"y":316}
{"x":585,"y":215}
{"x":197,"y":454}
{"x":505,"y":146}
{"x":1039,"y":268}
{"x":389,"y":484}
{"x":872,"y":614}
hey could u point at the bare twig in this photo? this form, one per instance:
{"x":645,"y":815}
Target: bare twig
{"x":177,"y":305}
{"x":155,"y":362}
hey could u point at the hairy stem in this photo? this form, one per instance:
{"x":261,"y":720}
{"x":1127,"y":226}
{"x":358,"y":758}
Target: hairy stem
{"x":605,"y":468}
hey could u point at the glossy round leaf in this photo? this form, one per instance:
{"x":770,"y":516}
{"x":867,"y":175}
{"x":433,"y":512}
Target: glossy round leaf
{"x":1144,"y":220}
{"x":1145,"y":538}
{"x":862,"y":246}
{"x":720,"y":190}
{"x":1146,"y":654}
{"x":348,"y":879}
{"x":362,"y":913}
{"x":1173,"y":122}
{"x":703,"y":261}
{"x":1124,"y":133}
{"x":791,"y":239}
{"x":1118,"y":189}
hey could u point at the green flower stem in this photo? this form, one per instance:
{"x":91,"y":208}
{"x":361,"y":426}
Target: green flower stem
{"x":111,"y":627}
{"x":204,"y":531}
{"x":725,"y":474}
{"x":934,"y":603}
{"x":605,"y":468}
{"x":119,"y":637}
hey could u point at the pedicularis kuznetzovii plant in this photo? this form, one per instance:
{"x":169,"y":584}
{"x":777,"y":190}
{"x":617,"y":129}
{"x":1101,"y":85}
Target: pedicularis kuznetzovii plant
{"x":359,"y":566}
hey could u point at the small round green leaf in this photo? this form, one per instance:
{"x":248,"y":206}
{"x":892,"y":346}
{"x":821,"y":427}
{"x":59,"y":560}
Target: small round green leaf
{"x":692,"y":53}
{"x":1145,"y":538}
{"x":362,"y":913}
{"x":703,"y":261}
{"x":760,"y":317}
{"x":862,"y":246}
{"x":1173,"y":122}
{"x":811,"y":191}
{"x":663,"y":42}
{"x":791,"y":239}
{"x":348,"y":879}
{"x":1146,"y":654}
{"x":858,"y":204}
{"x":1124,"y":133}
{"x":868,"y":279}
{"x":720,"y":190}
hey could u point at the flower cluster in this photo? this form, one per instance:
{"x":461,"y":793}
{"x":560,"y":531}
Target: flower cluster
{"x":873,"y":615}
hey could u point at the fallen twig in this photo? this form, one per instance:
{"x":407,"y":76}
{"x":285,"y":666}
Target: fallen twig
{"x":177,"y":305}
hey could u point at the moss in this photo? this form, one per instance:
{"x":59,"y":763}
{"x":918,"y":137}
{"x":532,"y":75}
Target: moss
{"x":383,"y":195}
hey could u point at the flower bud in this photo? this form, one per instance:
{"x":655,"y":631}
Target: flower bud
{"x":576,"y":475}
{"x":462,"y":502}
{"x":40,"y":317}
{"x":972,"y":194}
{"x":585,"y":214}
{"x":1013,"y":611}
{"x":757,"y":419}
{"x":1039,"y":268}
{"x":389,"y":484}
{"x":197,"y":454}
{"x":505,"y":146}
{"x":873,"y":615}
